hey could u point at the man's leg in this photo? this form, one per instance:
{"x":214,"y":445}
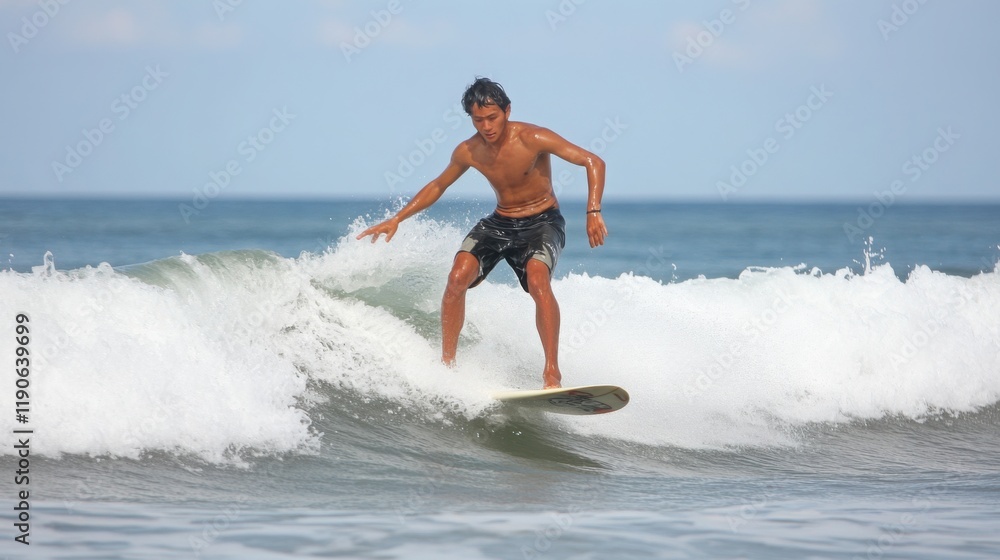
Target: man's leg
{"x":546,"y":319}
{"x":463,"y":272}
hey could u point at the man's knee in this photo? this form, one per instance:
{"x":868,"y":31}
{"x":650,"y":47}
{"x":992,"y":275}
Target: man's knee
{"x":463,"y":272}
{"x":539,"y":281}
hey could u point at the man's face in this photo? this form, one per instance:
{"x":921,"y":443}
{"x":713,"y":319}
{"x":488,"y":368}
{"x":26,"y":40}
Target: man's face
{"x":490,"y":121}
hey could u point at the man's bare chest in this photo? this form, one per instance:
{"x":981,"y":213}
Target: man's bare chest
{"x":511,"y":167}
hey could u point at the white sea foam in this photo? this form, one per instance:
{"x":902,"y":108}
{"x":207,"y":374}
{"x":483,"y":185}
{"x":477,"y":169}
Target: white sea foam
{"x":119,"y":366}
{"x":723,"y":362}
{"x":227,"y":353}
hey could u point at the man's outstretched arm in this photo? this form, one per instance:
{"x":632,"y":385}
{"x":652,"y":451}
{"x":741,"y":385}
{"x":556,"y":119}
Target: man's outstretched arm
{"x":423,"y":199}
{"x":552,"y":143}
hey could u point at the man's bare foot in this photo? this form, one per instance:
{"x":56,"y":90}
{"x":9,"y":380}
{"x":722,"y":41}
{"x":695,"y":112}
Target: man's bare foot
{"x":450,"y":362}
{"x":551,"y":378}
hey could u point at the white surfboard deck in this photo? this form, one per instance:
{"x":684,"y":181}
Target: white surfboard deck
{"x":588,"y":399}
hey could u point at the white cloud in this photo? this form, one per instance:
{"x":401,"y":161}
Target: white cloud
{"x":411,"y":35}
{"x":114,"y":27}
{"x":762,"y":35}
{"x":794,"y":25}
{"x":694,"y":39}
{"x":150,"y":25}
{"x":17,"y":4}
{"x":218,"y":36}
{"x":398,"y":31}
{"x":334,"y":32}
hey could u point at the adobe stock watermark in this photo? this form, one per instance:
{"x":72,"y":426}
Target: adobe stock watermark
{"x":610,"y":134}
{"x":698,"y":43}
{"x":213,"y":529}
{"x":612,"y":131}
{"x":986,"y":264}
{"x":545,"y":538}
{"x":56,"y":340}
{"x":249,"y":149}
{"x":914,"y":168}
{"x":89,"y":489}
{"x":365,"y":34}
{"x":225,"y":7}
{"x":900,"y":16}
{"x":890,"y":535}
{"x":424,"y":147}
{"x":580,"y":334}
{"x":418,"y":497}
{"x":564,"y":10}
{"x":32,"y":25}
{"x":754,"y":328}
{"x":787,"y":126}
{"x":748,"y":511}
{"x":122,"y":107}
{"x":927,"y":331}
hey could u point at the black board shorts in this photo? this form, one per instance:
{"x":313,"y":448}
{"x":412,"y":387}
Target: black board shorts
{"x":517,"y":240}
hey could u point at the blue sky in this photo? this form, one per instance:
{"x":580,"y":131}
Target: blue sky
{"x":714,"y":100}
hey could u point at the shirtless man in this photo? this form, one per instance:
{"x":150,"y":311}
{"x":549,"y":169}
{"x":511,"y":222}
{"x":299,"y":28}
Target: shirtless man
{"x":526,"y":229}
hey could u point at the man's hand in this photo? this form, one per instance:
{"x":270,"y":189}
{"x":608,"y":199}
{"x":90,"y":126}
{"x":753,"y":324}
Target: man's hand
{"x":387,"y":227}
{"x":596,"y":230}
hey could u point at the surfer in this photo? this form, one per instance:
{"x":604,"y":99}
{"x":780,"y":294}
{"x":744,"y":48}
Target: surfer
{"x":526,"y":229}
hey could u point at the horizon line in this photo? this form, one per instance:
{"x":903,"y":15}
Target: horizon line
{"x":571,"y":200}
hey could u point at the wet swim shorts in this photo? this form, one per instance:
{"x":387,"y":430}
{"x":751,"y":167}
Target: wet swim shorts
{"x":517,"y":240}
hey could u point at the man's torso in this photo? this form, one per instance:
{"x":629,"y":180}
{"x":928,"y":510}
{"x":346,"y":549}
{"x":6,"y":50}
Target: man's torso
{"x":521,"y":176}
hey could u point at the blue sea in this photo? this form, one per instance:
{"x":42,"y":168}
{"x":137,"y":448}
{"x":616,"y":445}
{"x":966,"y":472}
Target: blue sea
{"x":249,"y":381}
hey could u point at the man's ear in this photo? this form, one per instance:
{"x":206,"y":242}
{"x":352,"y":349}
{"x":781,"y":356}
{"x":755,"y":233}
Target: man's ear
{"x":506,"y":112}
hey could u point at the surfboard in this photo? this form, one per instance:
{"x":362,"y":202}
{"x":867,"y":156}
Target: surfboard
{"x":589,"y":399}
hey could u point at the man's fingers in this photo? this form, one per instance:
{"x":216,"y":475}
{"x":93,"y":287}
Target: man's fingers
{"x":597,"y":236}
{"x":372,"y":231}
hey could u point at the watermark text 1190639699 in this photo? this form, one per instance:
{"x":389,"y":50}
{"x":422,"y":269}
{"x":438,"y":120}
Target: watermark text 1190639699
{"x":22,"y":367}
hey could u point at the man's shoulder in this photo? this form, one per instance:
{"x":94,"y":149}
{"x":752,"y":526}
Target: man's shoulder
{"x":465,"y":147}
{"x":527,"y":128}
{"x":531,"y":133}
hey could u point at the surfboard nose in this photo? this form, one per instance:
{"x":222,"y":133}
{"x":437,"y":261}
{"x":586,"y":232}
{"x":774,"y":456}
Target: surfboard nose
{"x":589,"y":399}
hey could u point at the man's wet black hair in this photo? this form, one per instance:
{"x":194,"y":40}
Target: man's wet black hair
{"x":483,"y":92}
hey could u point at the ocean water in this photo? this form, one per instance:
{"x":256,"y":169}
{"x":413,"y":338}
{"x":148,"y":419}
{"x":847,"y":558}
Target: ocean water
{"x":248,"y":381}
